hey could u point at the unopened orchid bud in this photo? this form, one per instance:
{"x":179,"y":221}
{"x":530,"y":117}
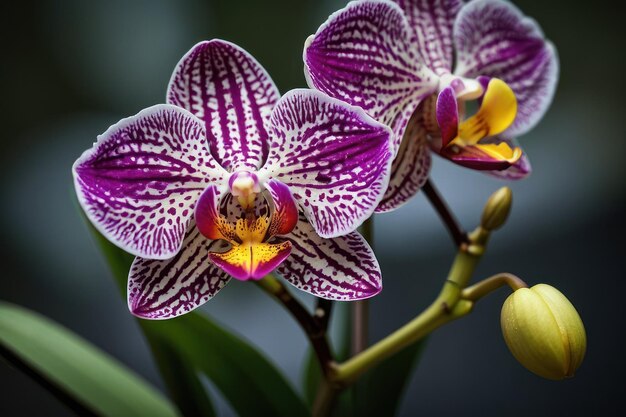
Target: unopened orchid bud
{"x":543,"y":331}
{"x":497,"y":209}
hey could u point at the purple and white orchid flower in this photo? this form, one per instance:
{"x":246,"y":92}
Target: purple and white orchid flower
{"x":396,"y":61}
{"x":230,"y":180}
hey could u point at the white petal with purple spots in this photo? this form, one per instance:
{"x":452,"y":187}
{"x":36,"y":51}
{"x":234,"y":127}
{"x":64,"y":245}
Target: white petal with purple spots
{"x":140,"y":181}
{"x":164,"y":289}
{"x":343,"y":268}
{"x":493,"y":38}
{"x":226,"y":87}
{"x":363,"y":55}
{"x":334,"y":158}
{"x":432,"y":22}
{"x":410,"y":168}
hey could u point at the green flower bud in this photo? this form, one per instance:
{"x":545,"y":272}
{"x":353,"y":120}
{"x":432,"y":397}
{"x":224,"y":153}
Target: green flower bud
{"x":543,"y":331}
{"x":497,"y":209}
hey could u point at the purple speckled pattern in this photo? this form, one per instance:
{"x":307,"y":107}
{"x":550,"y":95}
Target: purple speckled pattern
{"x":226,"y":87}
{"x":432,"y":22}
{"x":334,"y":158}
{"x":140,"y":181}
{"x":410,"y":167}
{"x":147,"y":175}
{"x":342,"y":268}
{"x":493,"y":38}
{"x":364,"y":56}
{"x":163,"y":289}
{"x":388,"y":57}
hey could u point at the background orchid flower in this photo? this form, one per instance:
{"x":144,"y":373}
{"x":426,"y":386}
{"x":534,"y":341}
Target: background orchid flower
{"x":396,"y":61}
{"x":274,"y":184}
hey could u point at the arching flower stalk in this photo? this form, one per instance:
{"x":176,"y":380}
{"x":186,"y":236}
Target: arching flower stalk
{"x":230,"y":180}
{"x":414,"y":65}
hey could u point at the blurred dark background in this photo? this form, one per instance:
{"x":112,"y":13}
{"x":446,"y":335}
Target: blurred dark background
{"x":70,"y":69}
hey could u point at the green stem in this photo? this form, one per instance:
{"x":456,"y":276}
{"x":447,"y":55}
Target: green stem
{"x":326,"y":395}
{"x":488,"y":285}
{"x":448,"y":306}
{"x":315,"y":332}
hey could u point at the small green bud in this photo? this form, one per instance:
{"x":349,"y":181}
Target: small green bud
{"x":543,"y":331}
{"x":497,"y":209}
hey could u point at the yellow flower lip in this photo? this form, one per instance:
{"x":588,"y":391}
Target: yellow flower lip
{"x":544,"y":331}
{"x":496,"y":113}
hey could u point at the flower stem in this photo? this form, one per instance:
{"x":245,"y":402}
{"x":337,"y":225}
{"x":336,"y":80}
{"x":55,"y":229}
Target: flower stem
{"x":449,"y":305}
{"x":360,"y":309}
{"x":454,"y":227}
{"x":323,"y":311}
{"x":315,"y":332}
{"x":488,"y":285}
{"x":326,"y":396}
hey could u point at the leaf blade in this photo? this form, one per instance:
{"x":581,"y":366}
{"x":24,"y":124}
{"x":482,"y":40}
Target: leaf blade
{"x":92,"y":378}
{"x":204,"y":346}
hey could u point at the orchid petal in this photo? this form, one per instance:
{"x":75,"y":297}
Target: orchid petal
{"x":163,"y":289}
{"x":342,"y":268}
{"x":493,"y":38}
{"x":209,"y":220}
{"x":140,"y":181}
{"x":226,"y":87}
{"x":519,"y":170}
{"x":334,"y":158}
{"x":363,"y":55}
{"x":432,"y":22}
{"x":285,"y":214}
{"x":484,"y":156}
{"x":410,"y":168}
{"x":447,"y":115}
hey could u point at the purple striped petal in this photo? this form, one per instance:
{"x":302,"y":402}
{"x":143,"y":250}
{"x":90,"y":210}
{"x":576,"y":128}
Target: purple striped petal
{"x":493,"y":38}
{"x":140,"y":181}
{"x":432,"y":22}
{"x":227,"y":88}
{"x":364,"y":56}
{"x":334,"y":158}
{"x":342,"y":268}
{"x":410,"y":167}
{"x":164,"y":289}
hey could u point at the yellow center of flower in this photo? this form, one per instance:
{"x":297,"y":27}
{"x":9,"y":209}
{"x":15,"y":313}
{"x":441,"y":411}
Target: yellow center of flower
{"x":496,"y":113}
{"x":249,"y":251}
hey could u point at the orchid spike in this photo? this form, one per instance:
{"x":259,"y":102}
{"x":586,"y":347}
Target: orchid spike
{"x":397,"y":61}
{"x":230,"y":180}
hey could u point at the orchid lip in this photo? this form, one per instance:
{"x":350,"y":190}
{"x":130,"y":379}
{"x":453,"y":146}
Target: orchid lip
{"x":462,"y":142}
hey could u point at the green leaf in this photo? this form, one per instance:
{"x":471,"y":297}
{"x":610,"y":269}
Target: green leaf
{"x":387,"y":383}
{"x":252,"y":385}
{"x":87,"y":379}
{"x":184,"y":385}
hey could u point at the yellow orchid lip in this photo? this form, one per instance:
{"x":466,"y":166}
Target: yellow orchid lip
{"x":251,"y":256}
{"x":255,"y":248}
{"x":463,"y":142}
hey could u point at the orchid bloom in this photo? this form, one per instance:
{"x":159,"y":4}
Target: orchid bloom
{"x":396,"y":62}
{"x":230,"y":180}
